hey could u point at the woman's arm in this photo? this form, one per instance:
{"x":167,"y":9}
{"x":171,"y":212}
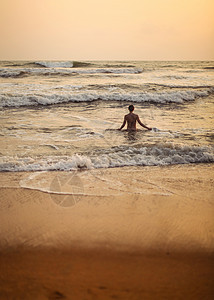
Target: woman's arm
{"x":124,"y":123}
{"x":139,"y":121}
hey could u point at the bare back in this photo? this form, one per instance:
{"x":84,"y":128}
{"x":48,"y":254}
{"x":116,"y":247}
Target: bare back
{"x":131,"y":119}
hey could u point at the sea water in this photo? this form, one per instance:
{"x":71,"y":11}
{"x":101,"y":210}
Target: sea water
{"x":65,"y":115}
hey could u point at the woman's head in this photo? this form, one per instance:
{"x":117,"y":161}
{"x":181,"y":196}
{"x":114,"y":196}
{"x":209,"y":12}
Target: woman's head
{"x":131,"y":108}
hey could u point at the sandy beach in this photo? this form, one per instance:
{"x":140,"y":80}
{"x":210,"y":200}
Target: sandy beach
{"x":106,"y":150}
{"x":120,"y":233}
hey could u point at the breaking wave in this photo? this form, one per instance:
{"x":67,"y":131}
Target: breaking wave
{"x":18,"y":100}
{"x":150,"y":155}
{"x":153,"y":155}
{"x":13,"y":72}
{"x":55,"y":64}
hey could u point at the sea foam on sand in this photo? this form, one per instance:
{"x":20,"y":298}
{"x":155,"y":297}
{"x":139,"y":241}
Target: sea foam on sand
{"x":131,"y":207}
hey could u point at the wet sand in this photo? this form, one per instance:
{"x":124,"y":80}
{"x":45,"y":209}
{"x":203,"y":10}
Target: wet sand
{"x":123,"y":233}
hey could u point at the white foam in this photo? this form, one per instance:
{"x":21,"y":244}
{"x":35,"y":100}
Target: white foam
{"x":13,"y":72}
{"x":9,"y":72}
{"x":48,"y":164}
{"x":150,"y":155}
{"x":154,"y":155}
{"x":47,"y":98}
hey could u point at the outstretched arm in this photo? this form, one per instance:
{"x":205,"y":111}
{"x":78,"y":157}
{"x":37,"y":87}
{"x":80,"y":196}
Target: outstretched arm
{"x":139,"y":121}
{"x":124,"y":123}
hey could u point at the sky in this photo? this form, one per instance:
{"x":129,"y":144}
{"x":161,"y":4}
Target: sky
{"x":106,"y":30}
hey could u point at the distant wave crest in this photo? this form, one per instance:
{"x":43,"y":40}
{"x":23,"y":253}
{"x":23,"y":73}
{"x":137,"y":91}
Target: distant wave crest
{"x":14,"y":72}
{"x":55,"y":64}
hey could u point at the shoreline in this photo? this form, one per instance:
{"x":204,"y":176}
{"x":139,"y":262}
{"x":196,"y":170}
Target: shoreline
{"x":143,"y":206}
{"x":120,"y":233}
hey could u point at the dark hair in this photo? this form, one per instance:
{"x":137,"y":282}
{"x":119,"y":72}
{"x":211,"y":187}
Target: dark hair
{"x":131,"y":107}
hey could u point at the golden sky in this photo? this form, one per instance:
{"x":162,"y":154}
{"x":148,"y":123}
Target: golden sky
{"x":107,"y":29}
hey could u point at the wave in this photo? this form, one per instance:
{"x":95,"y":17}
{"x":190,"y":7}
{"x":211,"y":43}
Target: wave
{"x":183,"y":86}
{"x":209,"y":68}
{"x":39,"y":98}
{"x":118,"y":66}
{"x":55,"y":64}
{"x":13,"y":72}
{"x":194,"y":71}
{"x":174,"y":77}
{"x":153,"y":155}
{"x":150,"y":155}
{"x":65,"y":64}
{"x":77,"y":64}
{"x":81,"y":64}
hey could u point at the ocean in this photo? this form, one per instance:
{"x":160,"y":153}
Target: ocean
{"x":65,"y":115}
